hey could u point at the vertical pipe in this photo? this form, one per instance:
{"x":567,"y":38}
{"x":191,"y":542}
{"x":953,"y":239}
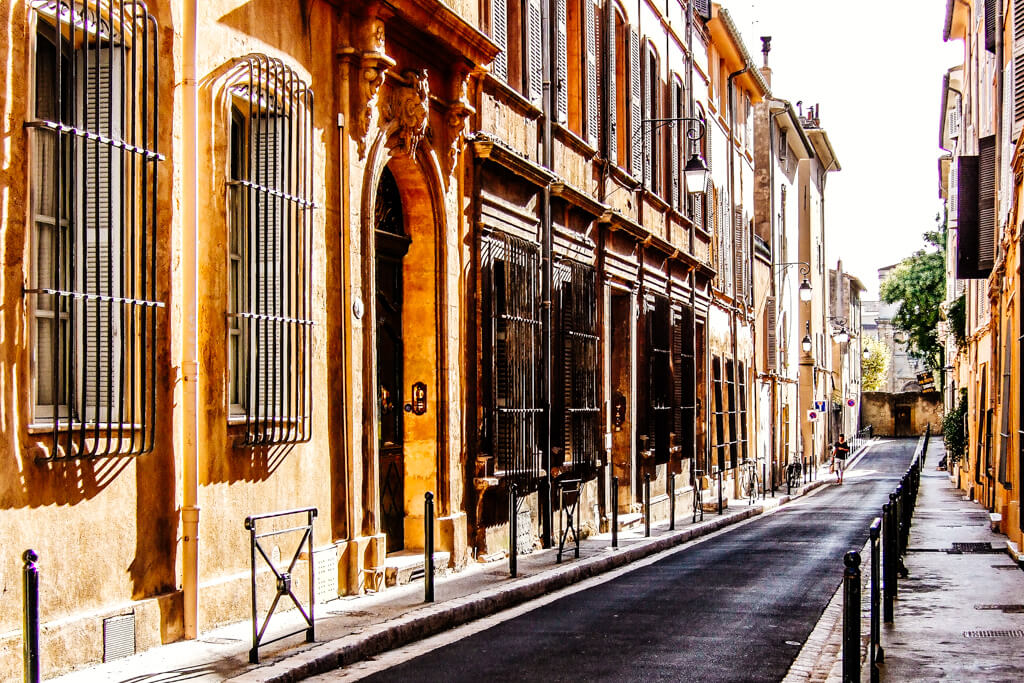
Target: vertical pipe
{"x":851,"y":617}
{"x":190,"y":286}
{"x":428,"y":547}
{"x":547,"y":276}
{"x":647,"y":504}
{"x":254,"y":652}
{"x":671,"y":501}
{"x":30,"y":627}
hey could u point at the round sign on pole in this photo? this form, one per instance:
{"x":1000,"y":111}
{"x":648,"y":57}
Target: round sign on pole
{"x":812,"y":415}
{"x":851,"y":402}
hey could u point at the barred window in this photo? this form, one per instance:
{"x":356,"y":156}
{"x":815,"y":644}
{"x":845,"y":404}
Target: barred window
{"x":94,"y":169}
{"x":270,"y":251}
{"x":655,"y":434}
{"x":515,"y":341}
{"x":718,"y":414}
{"x":730,"y":391}
{"x":581,"y":367}
{"x":684,"y":381}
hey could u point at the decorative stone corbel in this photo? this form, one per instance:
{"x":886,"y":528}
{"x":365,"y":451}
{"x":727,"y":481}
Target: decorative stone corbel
{"x":369,"y":61}
{"x":408,"y":110}
{"x":458,"y":110}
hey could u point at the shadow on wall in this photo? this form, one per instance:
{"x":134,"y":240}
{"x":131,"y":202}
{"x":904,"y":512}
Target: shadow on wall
{"x":901,"y":414}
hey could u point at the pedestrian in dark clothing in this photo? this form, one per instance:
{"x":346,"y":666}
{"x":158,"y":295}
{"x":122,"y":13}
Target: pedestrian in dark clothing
{"x":840,"y":451}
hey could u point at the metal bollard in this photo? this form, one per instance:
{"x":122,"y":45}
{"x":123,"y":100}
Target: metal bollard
{"x":428,"y":547}
{"x":647,"y":504}
{"x":30,"y":633}
{"x":513,"y":530}
{"x":876,"y":653}
{"x":888,"y":558}
{"x":851,"y":617}
{"x":671,"y":502}
{"x":615,"y":512}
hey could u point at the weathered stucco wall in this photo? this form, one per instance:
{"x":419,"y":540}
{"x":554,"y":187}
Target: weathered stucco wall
{"x":879,"y":409}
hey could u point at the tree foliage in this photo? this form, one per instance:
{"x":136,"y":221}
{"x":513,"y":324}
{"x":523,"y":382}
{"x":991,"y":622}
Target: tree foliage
{"x":875,"y":365}
{"x":956,"y":315}
{"x":954,"y":432}
{"x":918,"y":285}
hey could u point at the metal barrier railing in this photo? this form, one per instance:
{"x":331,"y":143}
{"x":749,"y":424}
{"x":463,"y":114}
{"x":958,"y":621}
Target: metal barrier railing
{"x":283,"y":578}
{"x":30,"y":625}
{"x":889,"y":537}
{"x":569,"y":494}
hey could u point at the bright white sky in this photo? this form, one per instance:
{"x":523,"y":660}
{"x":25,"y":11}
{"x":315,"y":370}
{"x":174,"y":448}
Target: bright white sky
{"x":876,"y":70}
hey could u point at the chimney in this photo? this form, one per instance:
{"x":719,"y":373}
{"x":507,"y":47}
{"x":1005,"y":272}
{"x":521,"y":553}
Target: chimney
{"x":766,"y":47}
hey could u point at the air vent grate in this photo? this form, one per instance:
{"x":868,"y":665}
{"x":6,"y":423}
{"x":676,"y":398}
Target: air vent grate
{"x":325,"y":569}
{"x":961,"y":548}
{"x":118,"y":637}
{"x":1015,"y":633}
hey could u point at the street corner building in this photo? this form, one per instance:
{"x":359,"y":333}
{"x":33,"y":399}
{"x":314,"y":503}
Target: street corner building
{"x":531,"y":259}
{"x":980,"y":180}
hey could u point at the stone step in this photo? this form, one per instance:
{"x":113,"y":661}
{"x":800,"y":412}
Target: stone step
{"x":405,"y":566}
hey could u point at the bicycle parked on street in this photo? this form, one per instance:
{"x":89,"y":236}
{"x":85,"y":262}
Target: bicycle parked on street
{"x":750,"y":481}
{"x":793,"y":474}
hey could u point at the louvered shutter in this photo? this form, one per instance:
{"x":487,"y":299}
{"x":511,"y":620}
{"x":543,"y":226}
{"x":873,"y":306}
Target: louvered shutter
{"x":100,"y":237}
{"x":674,"y":106}
{"x":499,"y":34}
{"x":677,"y":382}
{"x":268,"y":281}
{"x":535,"y":62}
{"x":590,"y":46}
{"x":771,"y":335}
{"x":562,"y":62}
{"x":1018,"y":69}
{"x":990,"y":25}
{"x":737,"y":250}
{"x":1004,"y":409}
{"x":1005,"y":178}
{"x":967,"y":217}
{"x":702,"y":8}
{"x":986,"y":204}
{"x":612,"y":95}
{"x":646,"y":114}
{"x":635,"y":103}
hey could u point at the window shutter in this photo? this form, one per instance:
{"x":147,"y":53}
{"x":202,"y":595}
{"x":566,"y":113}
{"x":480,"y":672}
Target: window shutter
{"x":990,"y":25}
{"x":635,"y":104}
{"x":986,"y":204}
{"x":100,"y":236}
{"x":771,"y":335}
{"x":1005,"y":178}
{"x":499,"y":34}
{"x":967,"y":217}
{"x":268,"y":275}
{"x":611,"y":96}
{"x":590,"y":45}
{"x":581,"y":365}
{"x":702,"y":8}
{"x":534,"y":49}
{"x":562,"y":99}
{"x":647,"y":113}
{"x":1018,"y":70}
{"x":674,"y":105}
{"x":737,"y":250}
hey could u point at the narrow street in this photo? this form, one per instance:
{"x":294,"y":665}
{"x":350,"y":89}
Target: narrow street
{"x":734,"y":608}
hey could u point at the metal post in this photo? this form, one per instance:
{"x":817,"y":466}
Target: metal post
{"x":615,"y":512}
{"x":428,"y":547}
{"x":876,"y":654}
{"x":764,"y":480}
{"x":671,"y":502}
{"x":851,"y":617}
{"x":513,"y":530}
{"x":647,"y":504}
{"x":30,"y":632}
{"x":719,"y":490}
{"x":888,"y":558}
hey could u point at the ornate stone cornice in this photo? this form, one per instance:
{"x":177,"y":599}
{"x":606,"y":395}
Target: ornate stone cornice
{"x":490,"y":148}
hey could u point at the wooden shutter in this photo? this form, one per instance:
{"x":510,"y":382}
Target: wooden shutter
{"x":499,"y":34}
{"x":267,"y":136}
{"x":647,"y":113}
{"x":1005,"y":177}
{"x":635,"y":104}
{"x":967,"y":217}
{"x":612,"y":95}
{"x":590,"y":47}
{"x":534,"y":46}
{"x":702,"y":8}
{"x":986,"y":204}
{"x":1018,"y":70}
{"x":675,"y":103}
{"x":990,"y":25}
{"x":771,"y":335}
{"x":677,"y":382}
{"x":562,"y":62}
{"x":100,"y":238}
{"x":581,"y":365}
{"x":737,"y":251}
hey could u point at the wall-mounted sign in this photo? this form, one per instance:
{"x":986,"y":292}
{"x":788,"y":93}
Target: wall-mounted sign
{"x":812,"y":415}
{"x":851,"y":402}
{"x":819,"y":406}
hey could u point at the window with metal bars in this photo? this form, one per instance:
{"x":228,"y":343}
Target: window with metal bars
{"x":741,"y":412}
{"x":513,"y":267}
{"x":270,"y":251}
{"x":730,"y":390}
{"x":93,"y":288}
{"x":581,"y":409}
{"x":720,"y":442}
{"x":654,"y":437}
{"x":684,"y":384}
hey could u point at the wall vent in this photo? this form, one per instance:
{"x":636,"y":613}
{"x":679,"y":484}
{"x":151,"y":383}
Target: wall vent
{"x":118,"y":637}
{"x":325,"y":568}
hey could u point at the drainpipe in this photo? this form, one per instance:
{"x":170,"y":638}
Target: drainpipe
{"x":190,"y":343}
{"x":547,"y":275}
{"x":732,"y":217}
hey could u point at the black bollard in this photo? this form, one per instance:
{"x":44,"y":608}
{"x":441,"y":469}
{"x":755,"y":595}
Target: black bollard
{"x":888,"y":558}
{"x":876,"y":654}
{"x":513,"y":530}
{"x":671,"y":502}
{"x":647,"y":504}
{"x":615,"y":512}
{"x":30,"y":575}
{"x":851,"y":617}
{"x":428,"y":547}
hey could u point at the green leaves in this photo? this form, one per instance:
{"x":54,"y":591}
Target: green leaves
{"x":875,"y":366}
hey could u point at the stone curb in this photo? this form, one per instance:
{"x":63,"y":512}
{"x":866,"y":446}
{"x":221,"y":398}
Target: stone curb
{"x":433,"y":619}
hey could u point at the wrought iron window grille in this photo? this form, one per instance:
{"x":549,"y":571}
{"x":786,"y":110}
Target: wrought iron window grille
{"x":655,"y":439}
{"x":270,"y":251}
{"x":94,"y":181}
{"x":511,"y":266}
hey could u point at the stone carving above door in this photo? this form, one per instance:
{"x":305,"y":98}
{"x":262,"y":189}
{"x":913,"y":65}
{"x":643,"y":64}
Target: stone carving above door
{"x":407,"y":112}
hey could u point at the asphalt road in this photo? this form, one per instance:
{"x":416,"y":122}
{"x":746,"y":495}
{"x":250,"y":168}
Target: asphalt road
{"x":737,"y":607}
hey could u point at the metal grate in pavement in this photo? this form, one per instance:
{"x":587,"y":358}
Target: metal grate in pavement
{"x":1008,"y":609}
{"x":1014,"y":633}
{"x":961,"y":548}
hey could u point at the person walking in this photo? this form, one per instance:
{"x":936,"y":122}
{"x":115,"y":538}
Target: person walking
{"x":840,"y":451}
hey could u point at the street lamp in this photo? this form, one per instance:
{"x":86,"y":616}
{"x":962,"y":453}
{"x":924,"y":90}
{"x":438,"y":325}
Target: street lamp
{"x":806,"y":343}
{"x":804,"y":290}
{"x":696,"y":170}
{"x":840,"y":333}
